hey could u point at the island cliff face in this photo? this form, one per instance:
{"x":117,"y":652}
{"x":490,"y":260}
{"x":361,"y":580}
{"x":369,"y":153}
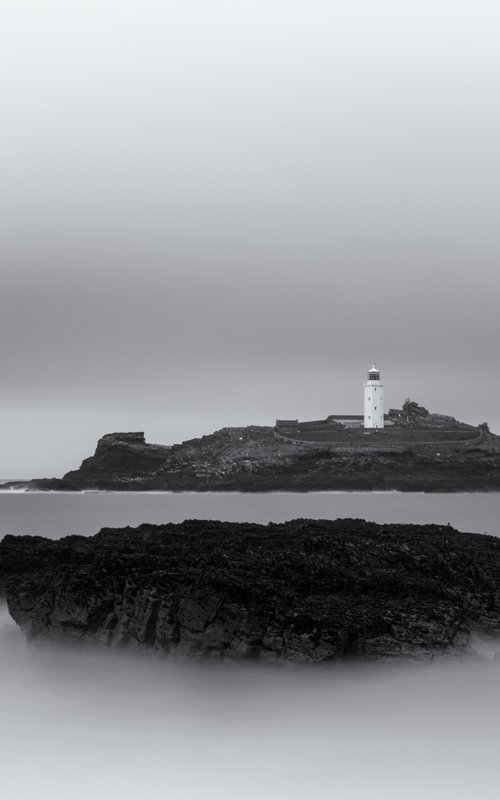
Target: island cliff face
{"x":299,"y":592}
{"x":423,"y":454}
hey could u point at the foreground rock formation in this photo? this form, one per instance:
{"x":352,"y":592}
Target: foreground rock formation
{"x":421,"y":452}
{"x":302,"y":591}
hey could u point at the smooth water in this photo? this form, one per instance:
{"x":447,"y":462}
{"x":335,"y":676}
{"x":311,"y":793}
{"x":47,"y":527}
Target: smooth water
{"x":59,"y":514}
{"x":94,"y":726}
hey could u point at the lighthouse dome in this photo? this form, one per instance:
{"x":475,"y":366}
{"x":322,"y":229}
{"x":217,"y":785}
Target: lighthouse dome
{"x":374,"y":374}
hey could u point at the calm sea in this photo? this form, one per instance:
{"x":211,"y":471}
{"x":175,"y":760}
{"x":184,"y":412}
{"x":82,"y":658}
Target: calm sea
{"x":59,"y":514}
{"x":102,"y":726}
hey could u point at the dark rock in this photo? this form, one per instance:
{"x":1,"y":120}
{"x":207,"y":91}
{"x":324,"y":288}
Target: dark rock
{"x":120,"y":455}
{"x":412,"y":409}
{"x":429,"y":453}
{"x":302,"y":591}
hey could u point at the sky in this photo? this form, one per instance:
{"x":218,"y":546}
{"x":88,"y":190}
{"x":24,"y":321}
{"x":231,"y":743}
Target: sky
{"x":218,"y":213}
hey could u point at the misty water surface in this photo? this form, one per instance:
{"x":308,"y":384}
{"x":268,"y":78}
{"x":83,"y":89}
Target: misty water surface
{"x":58,"y":514}
{"x":86,"y":724}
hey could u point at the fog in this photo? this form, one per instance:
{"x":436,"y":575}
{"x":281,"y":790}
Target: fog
{"x":88,"y":723}
{"x":221,"y":213}
{"x":85,"y":724}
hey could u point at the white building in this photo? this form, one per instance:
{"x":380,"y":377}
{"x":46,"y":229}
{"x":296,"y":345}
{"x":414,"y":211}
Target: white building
{"x":374,"y":400}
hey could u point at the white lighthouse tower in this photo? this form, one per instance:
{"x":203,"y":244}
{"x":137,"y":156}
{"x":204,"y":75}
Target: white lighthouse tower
{"x":374,"y":399}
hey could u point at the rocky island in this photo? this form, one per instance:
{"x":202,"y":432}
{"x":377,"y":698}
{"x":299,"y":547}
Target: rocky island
{"x":416,"y":451}
{"x":298,"y":592}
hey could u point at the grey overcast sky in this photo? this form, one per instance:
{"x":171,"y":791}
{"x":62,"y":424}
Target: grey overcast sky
{"x":219,"y":212}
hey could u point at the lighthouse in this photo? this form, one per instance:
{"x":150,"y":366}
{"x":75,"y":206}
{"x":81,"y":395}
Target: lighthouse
{"x":374,"y":399}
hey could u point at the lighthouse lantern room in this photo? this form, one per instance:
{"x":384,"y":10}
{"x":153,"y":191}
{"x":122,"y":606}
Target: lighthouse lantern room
{"x":374,"y":400}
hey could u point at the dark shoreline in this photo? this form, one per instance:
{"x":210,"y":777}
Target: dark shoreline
{"x":59,"y":487}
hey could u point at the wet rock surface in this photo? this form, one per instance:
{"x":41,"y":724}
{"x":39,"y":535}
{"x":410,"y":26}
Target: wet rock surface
{"x":298,"y":592}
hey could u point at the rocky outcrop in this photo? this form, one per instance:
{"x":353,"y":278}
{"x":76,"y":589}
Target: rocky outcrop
{"x":122,"y":455}
{"x":119,"y":458}
{"x":412,"y":409}
{"x":431,"y":458}
{"x":302,"y":591}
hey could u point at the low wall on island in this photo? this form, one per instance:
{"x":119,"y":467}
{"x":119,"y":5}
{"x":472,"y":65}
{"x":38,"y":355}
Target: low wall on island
{"x":390,"y":439}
